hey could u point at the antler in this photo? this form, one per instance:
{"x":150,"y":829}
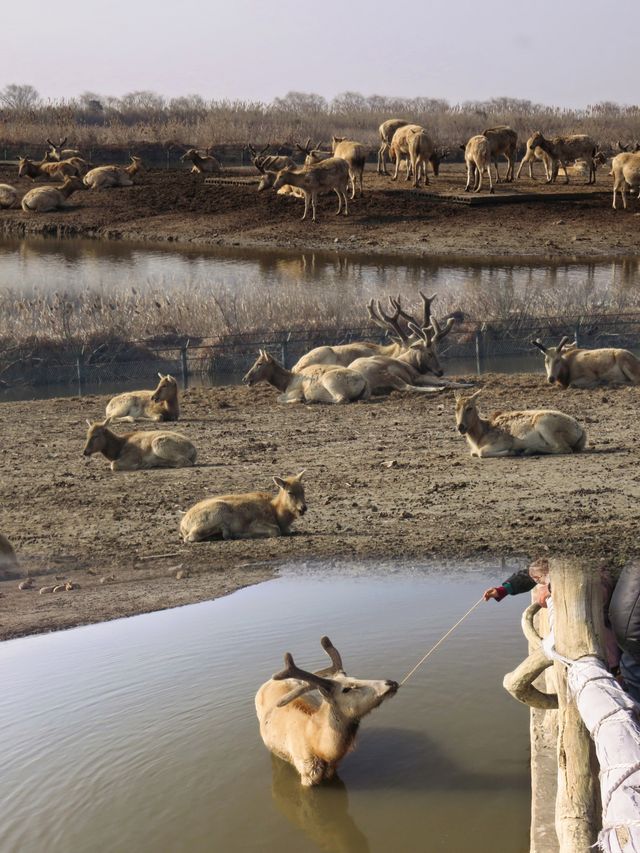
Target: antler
{"x":334,"y":654}
{"x":49,"y":142}
{"x":562,"y":343}
{"x":63,"y":141}
{"x":439,"y":332}
{"x":391,"y":321}
{"x":426,"y":309}
{"x":293,"y":671}
{"x":266,"y":148}
{"x":538,"y":343}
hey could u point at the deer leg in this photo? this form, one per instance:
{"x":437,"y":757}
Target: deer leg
{"x":306,"y":206}
{"x":337,"y":192}
{"x":478,"y":185}
{"x":314,"y":198}
{"x":495,"y":164}
{"x":491,"y":190}
{"x":346,"y":204}
{"x":468,"y":185}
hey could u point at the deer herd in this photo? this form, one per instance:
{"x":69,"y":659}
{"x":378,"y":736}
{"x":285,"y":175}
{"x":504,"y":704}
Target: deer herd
{"x":341,"y":168}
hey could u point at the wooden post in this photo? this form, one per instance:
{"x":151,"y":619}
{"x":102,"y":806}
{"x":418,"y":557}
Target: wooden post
{"x":579,"y":630}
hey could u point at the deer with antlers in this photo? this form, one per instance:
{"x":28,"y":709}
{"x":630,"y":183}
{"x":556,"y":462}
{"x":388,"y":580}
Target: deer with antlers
{"x":310,"y":719}
{"x":344,"y":354}
{"x":568,"y":365}
{"x":270,"y":162}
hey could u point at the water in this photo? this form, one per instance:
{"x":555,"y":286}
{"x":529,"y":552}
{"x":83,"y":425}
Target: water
{"x":140,"y":734}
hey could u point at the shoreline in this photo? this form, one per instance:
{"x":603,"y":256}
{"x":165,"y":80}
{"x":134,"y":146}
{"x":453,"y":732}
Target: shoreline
{"x":389,"y":479}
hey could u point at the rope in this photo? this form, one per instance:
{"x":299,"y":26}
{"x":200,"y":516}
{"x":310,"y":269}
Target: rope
{"x":441,"y":640}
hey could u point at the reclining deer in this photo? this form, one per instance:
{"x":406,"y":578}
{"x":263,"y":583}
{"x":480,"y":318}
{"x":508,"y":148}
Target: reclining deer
{"x":161,"y":404}
{"x":344,"y":354}
{"x":310,"y":719}
{"x":135,"y":451}
{"x":569,"y":366}
{"x":201,"y":163}
{"x":525,"y":432}
{"x":317,"y":383}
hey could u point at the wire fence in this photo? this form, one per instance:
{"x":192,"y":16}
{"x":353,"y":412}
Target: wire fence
{"x":478,"y":345}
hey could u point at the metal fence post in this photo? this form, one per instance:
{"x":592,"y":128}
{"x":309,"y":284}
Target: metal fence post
{"x":478,"y":351}
{"x":185,"y":365}
{"x":577,"y":335}
{"x":79,"y":373}
{"x":285,"y":350}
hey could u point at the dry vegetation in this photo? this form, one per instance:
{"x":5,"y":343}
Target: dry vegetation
{"x":140,"y":118}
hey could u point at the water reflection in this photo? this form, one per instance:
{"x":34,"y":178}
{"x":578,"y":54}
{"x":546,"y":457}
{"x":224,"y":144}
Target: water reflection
{"x":321,"y":813}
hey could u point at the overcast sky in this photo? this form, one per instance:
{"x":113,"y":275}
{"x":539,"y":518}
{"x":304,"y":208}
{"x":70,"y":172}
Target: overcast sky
{"x":566,"y":52}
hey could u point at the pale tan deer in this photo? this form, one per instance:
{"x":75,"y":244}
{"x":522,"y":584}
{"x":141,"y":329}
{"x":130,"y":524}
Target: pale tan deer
{"x":8,"y":196}
{"x":355,"y":153}
{"x":330,"y":174}
{"x":310,"y":719}
{"x":568,"y":366}
{"x":314,"y":384}
{"x":503,"y":142}
{"x":161,"y":404}
{"x":47,"y":199}
{"x":105,"y":177}
{"x":254,"y":515}
{"x":625,"y":170}
{"x":422,"y":152}
{"x":135,"y":451}
{"x":518,"y":433}
{"x":386,"y":131}
{"x":399,"y":147}
{"x":532,"y":154}
{"x":477,"y":156}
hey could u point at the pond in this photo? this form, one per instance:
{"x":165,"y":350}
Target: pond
{"x":140,"y":734}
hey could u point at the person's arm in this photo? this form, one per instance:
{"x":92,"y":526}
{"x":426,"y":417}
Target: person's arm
{"x":517,"y":583}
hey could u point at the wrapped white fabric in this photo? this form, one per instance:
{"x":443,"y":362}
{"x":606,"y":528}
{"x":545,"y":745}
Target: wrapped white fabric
{"x":612,"y":719}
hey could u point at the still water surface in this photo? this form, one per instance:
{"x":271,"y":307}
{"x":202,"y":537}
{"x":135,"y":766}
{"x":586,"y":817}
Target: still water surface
{"x":140,"y":734}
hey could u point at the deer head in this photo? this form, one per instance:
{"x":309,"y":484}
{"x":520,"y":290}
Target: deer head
{"x":554,"y":361}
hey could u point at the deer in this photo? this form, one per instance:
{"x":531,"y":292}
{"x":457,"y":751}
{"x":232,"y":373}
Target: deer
{"x":518,"y":433}
{"x":566,"y":149}
{"x":421,"y":152}
{"x":135,"y":451}
{"x":47,"y":199}
{"x":630,"y":147}
{"x":313,"y":153}
{"x":315,"y":384}
{"x":8,"y":196}
{"x":477,"y":156}
{"x":355,"y":153}
{"x":503,"y":142}
{"x":386,"y":131}
{"x":418,"y":369}
{"x":105,"y":177}
{"x":255,"y":515}
{"x":267,"y":181}
{"x":569,"y":366}
{"x":54,"y":171}
{"x":330,"y":174}
{"x":264,"y":162}
{"x":9,"y":566}
{"x":161,"y":404}
{"x":399,"y":147}
{"x":57,"y":152}
{"x":344,"y":354}
{"x":531,"y":155}
{"x":310,"y":719}
{"x":625,"y":170}
{"x":201,"y":163}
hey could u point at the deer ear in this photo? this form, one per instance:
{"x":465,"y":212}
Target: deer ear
{"x":160,"y":376}
{"x":475,"y":394}
{"x":280,"y":483}
{"x":299,"y":476}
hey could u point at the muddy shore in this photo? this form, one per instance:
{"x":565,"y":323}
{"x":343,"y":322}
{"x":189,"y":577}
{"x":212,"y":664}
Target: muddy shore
{"x":385,"y":479}
{"x":391,"y":218}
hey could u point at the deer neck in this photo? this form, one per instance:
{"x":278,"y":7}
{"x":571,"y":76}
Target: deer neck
{"x":564,"y":375}
{"x":394,"y":350}
{"x":280,"y":377}
{"x":284,"y":516}
{"x":478,"y":429}
{"x":335,"y":734}
{"x":113,"y":445}
{"x":66,"y":191}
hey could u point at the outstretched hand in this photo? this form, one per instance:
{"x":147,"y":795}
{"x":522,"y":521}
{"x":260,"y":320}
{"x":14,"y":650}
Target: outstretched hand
{"x":491,"y":593}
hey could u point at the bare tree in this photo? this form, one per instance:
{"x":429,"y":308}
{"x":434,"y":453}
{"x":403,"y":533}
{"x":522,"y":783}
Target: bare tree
{"x":19,"y":96}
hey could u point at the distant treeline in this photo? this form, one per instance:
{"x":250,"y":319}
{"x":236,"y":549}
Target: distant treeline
{"x":146,"y":118}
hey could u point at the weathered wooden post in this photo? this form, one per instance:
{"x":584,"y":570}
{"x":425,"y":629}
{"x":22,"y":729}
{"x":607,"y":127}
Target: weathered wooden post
{"x":578,"y":625}
{"x":560,"y":735}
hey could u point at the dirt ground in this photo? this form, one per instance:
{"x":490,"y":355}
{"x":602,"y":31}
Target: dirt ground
{"x":390,"y":218}
{"x":390,"y":478}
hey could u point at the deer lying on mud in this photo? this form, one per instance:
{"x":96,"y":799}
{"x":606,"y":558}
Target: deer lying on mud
{"x":565,"y":149}
{"x":8,"y":196}
{"x":161,"y":404}
{"x":531,"y":155}
{"x":330,"y":174}
{"x":135,"y":451}
{"x":386,"y":131}
{"x":625,"y":170}
{"x":264,"y":162}
{"x":52,"y":171}
{"x":344,"y":354}
{"x":569,"y":366}
{"x":314,"y":384}
{"x":503,"y":142}
{"x":413,"y":370}
{"x":310,"y":719}
{"x":46,"y":199}
{"x":201,"y":163}
{"x":255,"y":515}
{"x":267,"y":181}
{"x":105,"y":177}
{"x":58,"y":152}
{"x":477,"y":156}
{"x":8,"y":560}
{"x":525,"y":432}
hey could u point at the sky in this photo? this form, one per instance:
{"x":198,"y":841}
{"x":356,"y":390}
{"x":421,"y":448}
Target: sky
{"x":568,"y":53}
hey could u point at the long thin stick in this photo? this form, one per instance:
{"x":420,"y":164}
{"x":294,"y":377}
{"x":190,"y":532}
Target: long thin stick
{"x":441,"y":640}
